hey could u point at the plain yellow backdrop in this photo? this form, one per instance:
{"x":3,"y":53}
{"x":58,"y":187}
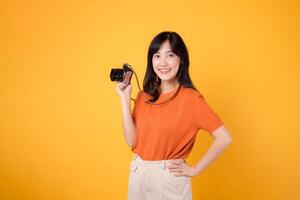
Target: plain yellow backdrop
{"x":60,"y":116}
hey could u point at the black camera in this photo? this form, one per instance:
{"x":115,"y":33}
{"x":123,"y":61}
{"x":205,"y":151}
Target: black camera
{"x":122,"y":75}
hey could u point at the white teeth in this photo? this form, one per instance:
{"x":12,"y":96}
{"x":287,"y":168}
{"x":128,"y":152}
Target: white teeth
{"x":164,"y":70}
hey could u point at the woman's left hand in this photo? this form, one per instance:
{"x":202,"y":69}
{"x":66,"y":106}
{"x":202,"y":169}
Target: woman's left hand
{"x":179,"y":168}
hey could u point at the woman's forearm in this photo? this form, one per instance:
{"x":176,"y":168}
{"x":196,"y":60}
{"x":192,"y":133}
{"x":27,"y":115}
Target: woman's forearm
{"x":127,"y":121}
{"x":213,"y":152}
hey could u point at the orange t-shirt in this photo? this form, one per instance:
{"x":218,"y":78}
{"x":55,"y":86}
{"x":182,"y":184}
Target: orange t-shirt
{"x":168,"y":131}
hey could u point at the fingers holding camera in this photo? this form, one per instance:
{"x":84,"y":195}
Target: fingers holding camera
{"x":121,"y":86}
{"x":123,"y":91}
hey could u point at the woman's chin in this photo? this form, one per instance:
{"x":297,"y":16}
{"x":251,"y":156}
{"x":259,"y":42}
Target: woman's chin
{"x":167,"y":79}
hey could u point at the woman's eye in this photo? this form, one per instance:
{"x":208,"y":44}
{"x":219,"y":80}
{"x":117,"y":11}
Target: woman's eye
{"x":171,"y":55}
{"x":156,"y":56}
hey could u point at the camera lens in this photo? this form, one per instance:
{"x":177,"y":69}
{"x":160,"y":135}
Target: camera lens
{"x":117,"y":75}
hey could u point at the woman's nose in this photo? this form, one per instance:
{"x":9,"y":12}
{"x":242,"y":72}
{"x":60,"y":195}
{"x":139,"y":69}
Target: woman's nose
{"x":163,"y":61}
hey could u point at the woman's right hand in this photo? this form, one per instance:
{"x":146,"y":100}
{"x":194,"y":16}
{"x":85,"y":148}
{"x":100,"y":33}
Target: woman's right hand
{"x":123,"y":92}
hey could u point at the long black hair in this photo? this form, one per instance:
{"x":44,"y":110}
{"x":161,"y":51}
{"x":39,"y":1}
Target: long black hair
{"x":150,"y":85}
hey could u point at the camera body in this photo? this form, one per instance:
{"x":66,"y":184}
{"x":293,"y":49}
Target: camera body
{"x":121,"y":75}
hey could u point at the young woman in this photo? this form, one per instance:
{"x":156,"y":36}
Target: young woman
{"x":162,"y":128}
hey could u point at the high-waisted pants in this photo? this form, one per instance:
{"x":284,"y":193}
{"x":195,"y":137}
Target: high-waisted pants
{"x":152,"y":180}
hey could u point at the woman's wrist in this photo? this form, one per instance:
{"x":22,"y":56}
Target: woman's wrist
{"x":196,"y":171}
{"x":125,"y":100}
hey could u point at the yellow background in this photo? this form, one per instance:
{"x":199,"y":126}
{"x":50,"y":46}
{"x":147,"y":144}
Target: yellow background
{"x":60,"y":117}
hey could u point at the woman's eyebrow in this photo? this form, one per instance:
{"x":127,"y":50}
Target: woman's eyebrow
{"x":166,"y":52}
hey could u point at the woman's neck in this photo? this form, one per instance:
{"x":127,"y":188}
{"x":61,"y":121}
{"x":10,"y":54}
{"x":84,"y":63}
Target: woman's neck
{"x":168,"y":86}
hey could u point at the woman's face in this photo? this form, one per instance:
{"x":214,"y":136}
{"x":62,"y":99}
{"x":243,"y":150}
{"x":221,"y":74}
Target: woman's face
{"x":165,"y":62}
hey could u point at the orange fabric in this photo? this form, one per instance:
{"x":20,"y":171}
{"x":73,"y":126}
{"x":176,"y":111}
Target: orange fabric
{"x":168,"y":131}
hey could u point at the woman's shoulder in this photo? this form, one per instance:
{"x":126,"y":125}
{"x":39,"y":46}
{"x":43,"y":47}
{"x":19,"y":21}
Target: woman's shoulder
{"x":143,"y":96}
{"x":191,"y":93}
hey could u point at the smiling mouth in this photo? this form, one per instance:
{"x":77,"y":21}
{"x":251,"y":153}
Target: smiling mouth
{"x":164,"y":71}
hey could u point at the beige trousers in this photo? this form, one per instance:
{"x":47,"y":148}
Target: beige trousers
{"x":152,"y":180}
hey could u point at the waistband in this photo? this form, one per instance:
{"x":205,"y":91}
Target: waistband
{"x":162,"y":163}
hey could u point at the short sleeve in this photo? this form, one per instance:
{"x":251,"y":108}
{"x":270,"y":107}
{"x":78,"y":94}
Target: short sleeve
{"x":205,"y":116}
{"x":135,"y":106}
